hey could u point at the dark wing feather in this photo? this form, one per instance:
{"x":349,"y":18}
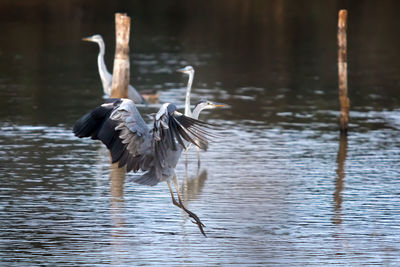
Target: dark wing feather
{"x":120,"y":127}
{"x":172,"y":127}
{"x":170,"y":130}
{"x":192,"y":130}
{"x":92,"y":122}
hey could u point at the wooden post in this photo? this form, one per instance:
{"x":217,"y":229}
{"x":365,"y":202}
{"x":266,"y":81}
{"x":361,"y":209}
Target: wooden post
{"x":120,"y":81}
{"x":342,"y":68}
{"x":119,"y":89}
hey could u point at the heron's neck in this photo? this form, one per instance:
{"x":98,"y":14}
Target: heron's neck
{"x":106,"y":77}
{"x":196,"y":112}
{"x":188,"y":89}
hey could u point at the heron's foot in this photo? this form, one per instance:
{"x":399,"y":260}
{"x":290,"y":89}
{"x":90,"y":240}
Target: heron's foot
{"x":194,"y":216}
{"x":196,"y":220}
{"x":180,"y":205}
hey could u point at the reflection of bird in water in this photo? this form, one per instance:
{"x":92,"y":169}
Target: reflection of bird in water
{"x":188,"y":70}
{"x":151,"y":96}
{"x":119,"y":125}
{"x":192,"y":187}
{"x":106,"y":77}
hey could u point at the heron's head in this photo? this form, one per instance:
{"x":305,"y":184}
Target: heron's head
{"x":205,"y":104}
{"x":94,"y":38}
{"x":187,"y":70}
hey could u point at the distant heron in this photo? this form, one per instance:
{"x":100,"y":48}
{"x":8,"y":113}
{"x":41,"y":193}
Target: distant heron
{"x":119,"y":125}
{"x":189,"y":70}
{"x":106,"y":77}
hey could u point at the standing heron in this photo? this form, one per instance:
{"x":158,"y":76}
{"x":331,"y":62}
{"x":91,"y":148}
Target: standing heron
{"x":119,"y":125}
{"x":189,"y":70}
{"x":106,"y":77}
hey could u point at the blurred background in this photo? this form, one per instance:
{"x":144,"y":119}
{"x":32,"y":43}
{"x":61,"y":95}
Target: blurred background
{"x":280,"y":187}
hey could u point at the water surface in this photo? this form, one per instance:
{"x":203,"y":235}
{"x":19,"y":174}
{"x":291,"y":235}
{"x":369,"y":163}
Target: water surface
{"x":280,"y":187}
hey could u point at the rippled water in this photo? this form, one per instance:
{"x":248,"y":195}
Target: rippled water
{"x":280,"y":187}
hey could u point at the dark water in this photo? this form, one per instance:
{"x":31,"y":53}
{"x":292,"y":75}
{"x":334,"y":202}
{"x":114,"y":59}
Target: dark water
{"x":279,"y":188}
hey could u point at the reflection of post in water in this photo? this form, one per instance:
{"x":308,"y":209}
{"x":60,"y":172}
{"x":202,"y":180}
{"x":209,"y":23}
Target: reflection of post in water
{"x":341,"y":159}
{"x":117,"y":180}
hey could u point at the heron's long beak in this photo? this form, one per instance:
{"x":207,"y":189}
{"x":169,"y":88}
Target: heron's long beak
{"x":87,"y":39}
{"x":219,"y":105}
{"x":181,"y":70}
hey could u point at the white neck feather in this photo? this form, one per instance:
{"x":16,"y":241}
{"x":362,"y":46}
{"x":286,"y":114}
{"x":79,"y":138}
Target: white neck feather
{"x":188,"y":90}
{"x":106,"y":77}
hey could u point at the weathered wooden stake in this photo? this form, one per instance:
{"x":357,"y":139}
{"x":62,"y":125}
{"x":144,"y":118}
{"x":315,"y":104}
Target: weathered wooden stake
{"x":120,"y":81}
{"x":342,"y":68}
{"x":119,"y":88}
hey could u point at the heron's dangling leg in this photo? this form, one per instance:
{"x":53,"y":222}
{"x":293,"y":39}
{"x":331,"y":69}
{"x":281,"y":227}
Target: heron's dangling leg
{"x":180,"y":205}
{"x":172,"y":195}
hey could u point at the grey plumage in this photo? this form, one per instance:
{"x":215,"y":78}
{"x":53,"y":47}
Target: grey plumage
{"x":119,"y":125}
{"x":156,"y":151}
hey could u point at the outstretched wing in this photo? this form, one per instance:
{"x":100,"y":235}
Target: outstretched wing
{"x":171,"y":133}
{"x":121,"y":128}
{"x":172,"y":127}
{"x":134,"y":135}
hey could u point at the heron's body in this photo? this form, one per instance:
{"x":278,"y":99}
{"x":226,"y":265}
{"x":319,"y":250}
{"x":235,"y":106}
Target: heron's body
{"x":105,"y":76}
{"x":156,"y":152}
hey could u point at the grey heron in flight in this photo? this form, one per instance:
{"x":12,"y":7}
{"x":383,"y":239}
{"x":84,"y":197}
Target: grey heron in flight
{"x":189,"y":70}
{"x":106,"y":77}
{"x":119,"y":125}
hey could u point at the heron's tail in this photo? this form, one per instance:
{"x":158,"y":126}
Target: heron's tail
{"x":149,"y":178}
